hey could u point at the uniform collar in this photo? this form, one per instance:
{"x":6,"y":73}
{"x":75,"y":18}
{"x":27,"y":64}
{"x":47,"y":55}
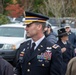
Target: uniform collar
{"x":38,"y":41}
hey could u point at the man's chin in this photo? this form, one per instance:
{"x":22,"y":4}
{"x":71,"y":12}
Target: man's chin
{"x":28,"y":36}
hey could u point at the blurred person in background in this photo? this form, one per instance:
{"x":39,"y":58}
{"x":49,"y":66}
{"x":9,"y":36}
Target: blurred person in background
{"x":71,"y":68}
{"x":71,"y":36}
{"x":50,"y":35}
{"x":5,"y":67}
{"x":66,"y":48}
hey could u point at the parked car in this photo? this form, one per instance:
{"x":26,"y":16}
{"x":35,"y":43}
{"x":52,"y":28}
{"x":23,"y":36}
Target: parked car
{"x":11,"y":36}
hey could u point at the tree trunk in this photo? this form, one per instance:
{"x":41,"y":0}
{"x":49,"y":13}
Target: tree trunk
{"x":1,"y":7}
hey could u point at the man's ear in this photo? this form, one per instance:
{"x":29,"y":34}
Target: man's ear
{"x":40,"y":26}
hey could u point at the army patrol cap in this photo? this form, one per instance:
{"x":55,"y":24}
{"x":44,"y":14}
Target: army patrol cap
{"x":31,"y":17}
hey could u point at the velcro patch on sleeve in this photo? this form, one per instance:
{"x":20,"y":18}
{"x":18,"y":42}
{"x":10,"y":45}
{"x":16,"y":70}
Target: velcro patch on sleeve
{"x":55,"y":46}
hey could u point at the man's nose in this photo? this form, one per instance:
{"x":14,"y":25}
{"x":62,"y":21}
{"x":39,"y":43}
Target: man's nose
{"x":26,"y":28}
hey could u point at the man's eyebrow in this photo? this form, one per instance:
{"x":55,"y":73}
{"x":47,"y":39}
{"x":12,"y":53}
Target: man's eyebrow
{"x":28,"y":25}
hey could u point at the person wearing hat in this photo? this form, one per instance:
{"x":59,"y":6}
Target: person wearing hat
{"x":50,"y":35}
{"x":38,"y":56}
{"x":66,"y":48}
{"x":71,"y":36}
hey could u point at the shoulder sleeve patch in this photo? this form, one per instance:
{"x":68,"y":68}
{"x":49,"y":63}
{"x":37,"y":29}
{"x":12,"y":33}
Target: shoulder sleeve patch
{"x":55,"y":46}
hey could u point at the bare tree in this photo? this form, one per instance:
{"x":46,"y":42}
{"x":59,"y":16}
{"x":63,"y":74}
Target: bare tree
{"x":70,"y":8}
{"x":54,"y":6}
{"x":1,"y":7}
{"x":60,"y":8}
{"x":44,"y":9}
{"x":28,"y":4}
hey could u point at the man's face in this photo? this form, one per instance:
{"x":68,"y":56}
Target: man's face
{"x":47,"y":30}
{"x":32,"y":30}
{"x":67,"y":29}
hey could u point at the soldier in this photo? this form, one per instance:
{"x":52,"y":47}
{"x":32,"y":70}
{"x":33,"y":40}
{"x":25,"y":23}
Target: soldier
{"x":41,"y":58}
{"x":66,"y":48}
{"x":5,"y":67}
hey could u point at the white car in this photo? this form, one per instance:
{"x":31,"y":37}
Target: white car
{"x":11,"y":36}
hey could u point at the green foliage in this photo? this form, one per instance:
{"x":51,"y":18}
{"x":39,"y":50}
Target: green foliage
{"x":6,"y":2}
{"x":37,"y":4}
{"x":51,"y":14}
{"x":19,"y":1}
{"x":5,"y":5}
{"x":3,"y":19}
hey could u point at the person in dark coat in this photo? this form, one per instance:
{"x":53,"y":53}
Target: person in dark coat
{"x":71,"y":35}
{"x":66,"y":48}
{"x":46,"y":59}
{"x":5,"y":67}
{"x":50,"y":35}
